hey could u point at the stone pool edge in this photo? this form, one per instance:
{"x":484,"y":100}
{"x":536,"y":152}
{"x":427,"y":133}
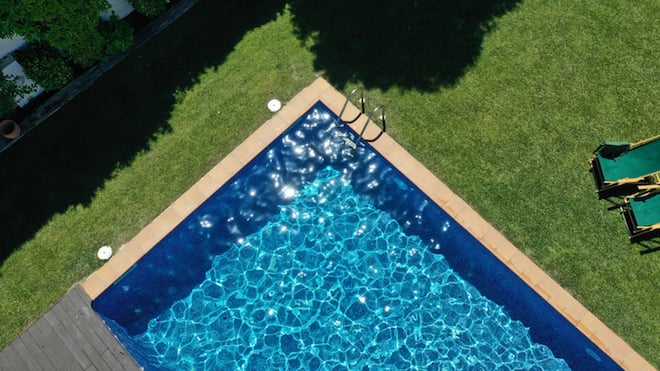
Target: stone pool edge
{"x":458,"y":209}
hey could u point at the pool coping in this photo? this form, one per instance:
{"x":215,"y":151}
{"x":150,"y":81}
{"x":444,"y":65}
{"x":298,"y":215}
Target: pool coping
{"x":492,"y":239}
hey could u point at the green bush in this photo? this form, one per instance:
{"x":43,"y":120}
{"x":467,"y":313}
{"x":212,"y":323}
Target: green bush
{"x":117,"y":35}
{"x":70,"y":26}
{"x":9,"y":90}
{"x":150,"y":8}
{"x":45,"y":65}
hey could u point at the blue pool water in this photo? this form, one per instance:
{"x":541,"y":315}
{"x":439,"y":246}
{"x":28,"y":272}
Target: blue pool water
{"x":309,"y":259}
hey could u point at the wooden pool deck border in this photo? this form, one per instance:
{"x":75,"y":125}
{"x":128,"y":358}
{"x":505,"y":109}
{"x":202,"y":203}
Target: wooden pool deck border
{"x":321,"y":90}
{"x":70,"y":336}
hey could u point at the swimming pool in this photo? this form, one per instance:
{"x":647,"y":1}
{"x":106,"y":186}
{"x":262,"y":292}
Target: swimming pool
{"x":250,"y":261}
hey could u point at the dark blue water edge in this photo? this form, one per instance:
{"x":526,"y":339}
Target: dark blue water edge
{"x":178,"y":263}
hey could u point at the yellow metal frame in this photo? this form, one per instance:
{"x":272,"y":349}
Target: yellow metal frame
{"x":643,"y":142}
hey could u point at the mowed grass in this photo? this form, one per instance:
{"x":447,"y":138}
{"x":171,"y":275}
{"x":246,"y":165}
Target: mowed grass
{"x":512,"y":137}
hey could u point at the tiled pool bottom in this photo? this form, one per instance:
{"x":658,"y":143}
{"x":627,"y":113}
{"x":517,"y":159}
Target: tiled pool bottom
{"x":544,"y":286}
{"x":334,"y":282}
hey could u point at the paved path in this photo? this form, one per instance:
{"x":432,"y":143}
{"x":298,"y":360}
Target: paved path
{"x":70,"y":336}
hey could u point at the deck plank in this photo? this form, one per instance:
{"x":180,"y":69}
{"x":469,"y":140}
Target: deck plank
{"x":52,"y":346}
{"x":35,"y":351}
{"x":77,"y":330}
{"x":99,"y":336}
{"x":25,"y":355}
{"x":4,"y":361}
{"x":111,"y":359}
{"x":79,"y":316}
{"x":117,"y":351}
{"x":64,"y":334}
{"x":70,"y":336}
{"x":12,"y":361}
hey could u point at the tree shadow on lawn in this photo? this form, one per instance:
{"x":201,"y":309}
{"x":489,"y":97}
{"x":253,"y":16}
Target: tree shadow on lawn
{"x":421,"y":44}
{"x":68,"y":158}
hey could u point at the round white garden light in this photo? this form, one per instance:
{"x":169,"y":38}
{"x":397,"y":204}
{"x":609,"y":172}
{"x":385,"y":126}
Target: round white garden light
{"x":274,"y":105}
{"x":104,"y":253}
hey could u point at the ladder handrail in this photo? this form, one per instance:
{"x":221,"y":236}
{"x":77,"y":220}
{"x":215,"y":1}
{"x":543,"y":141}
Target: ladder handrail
{"x":347,"y":141}
{"x":348,"y":98}
{"x":364,"y":128}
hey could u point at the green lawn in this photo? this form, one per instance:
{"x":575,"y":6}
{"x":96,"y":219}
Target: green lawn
{"x":508,"y":123}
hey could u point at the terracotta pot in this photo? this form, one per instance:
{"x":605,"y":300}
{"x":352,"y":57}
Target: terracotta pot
{"x":9,"y":129}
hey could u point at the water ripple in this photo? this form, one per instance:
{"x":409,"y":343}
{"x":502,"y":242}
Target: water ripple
{"x":331,"y":282}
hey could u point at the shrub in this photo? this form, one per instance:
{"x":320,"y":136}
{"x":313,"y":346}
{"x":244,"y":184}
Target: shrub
{"x":150,"y":8}
{"x":70,"y":26}
{"x":9,"y":90}
{"x":83,"y":45}
{"x":117,"y":35}
{"x":45,"y":65}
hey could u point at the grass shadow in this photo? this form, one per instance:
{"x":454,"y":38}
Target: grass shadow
{"x":422,"y":44}
{"x":67,"y":159}
{"x":650,"y":246}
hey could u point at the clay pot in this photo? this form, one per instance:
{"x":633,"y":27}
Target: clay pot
{"x":9,"y":129}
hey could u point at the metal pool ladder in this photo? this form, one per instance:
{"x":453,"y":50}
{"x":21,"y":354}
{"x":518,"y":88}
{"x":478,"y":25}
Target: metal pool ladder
{"x":364,"y":128}
{"x":353,"y":145}
{"x":348,"y":98}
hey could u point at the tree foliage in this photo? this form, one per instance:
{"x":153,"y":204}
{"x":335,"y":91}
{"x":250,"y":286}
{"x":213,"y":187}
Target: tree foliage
{"x":10,"y":88}
{"x":150,"y":8}
{"x":45,"y":65}
{"x":71,"y":26}
{"x":117,"y":35}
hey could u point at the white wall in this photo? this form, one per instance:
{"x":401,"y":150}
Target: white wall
{"x":122,"y":8}
{"x":7,"y":46}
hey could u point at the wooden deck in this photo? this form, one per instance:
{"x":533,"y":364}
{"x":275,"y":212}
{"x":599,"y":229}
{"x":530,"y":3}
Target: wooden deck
{"x":70,"y":336}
